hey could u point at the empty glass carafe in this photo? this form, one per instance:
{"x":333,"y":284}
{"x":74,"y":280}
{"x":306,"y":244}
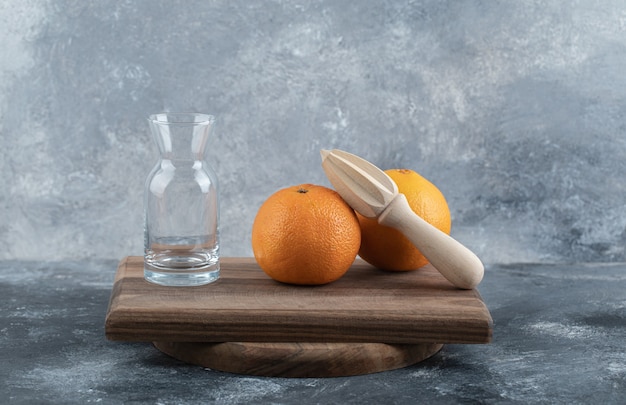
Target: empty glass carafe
{"x":181,"y":231}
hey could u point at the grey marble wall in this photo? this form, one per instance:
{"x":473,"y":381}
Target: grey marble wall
{"x":515,"y":109}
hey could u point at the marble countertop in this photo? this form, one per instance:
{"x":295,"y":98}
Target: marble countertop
{"x":559,"y":337}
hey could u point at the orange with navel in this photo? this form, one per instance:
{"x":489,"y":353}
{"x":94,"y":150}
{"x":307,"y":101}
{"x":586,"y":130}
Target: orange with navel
{"x":387,"y":248}
{"x":305,"y":234}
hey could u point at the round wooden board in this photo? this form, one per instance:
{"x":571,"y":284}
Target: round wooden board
{"x":299,"y":359}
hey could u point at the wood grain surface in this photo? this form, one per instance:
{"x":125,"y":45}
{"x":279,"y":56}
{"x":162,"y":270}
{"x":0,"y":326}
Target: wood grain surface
{"x":299,"y":359}
{"x":366,"y":305}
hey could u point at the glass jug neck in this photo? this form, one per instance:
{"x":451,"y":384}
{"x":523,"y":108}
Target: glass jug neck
{"x":181,"y":136}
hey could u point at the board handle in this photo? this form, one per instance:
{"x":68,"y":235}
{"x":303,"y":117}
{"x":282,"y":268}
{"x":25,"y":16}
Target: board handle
{"x":455,"y":262}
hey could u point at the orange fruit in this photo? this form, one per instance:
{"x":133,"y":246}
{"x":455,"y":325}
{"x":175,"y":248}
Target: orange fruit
{"x":305,"y":234}
{"x":387,"y":248}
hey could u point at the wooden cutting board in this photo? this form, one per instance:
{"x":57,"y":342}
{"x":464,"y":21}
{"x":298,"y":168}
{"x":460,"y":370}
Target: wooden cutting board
{"x":246,"y":317}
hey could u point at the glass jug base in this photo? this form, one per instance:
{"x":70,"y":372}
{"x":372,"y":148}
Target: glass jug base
{"x":177,"y":277}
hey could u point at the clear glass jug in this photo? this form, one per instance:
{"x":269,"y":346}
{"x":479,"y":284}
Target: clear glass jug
{"x":181,"y":234}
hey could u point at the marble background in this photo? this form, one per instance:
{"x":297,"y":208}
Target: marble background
{"x":516,"y":110}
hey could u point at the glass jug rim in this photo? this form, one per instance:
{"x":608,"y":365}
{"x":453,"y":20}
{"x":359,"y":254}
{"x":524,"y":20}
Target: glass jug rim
{"x":181,"y":118}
